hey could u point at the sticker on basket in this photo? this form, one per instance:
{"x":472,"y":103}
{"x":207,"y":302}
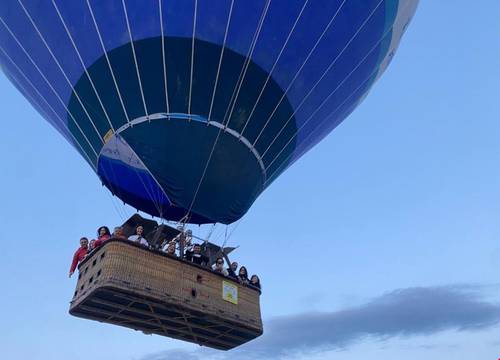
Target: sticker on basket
{"x":229,"y":292}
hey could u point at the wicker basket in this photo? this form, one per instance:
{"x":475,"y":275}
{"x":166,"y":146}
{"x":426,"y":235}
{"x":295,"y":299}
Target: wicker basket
{"x":124,"y":284}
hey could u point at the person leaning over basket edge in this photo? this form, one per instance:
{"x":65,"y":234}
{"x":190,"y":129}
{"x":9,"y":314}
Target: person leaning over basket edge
{"x":219,"y":266}
{"x":118,"y":233}
{"x":255,"y":281}
{"x":196,"y":256}
{"x":171,"y":249}
{"x":232,"y":270}
{"x":80,"y":254}
{"x":137,"y":237}
{"x":103,"y":235}
{"x":243,"y":276}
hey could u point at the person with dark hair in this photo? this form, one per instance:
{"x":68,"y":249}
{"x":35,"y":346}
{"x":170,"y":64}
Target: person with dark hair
{"x":80,"y":254}
{"x":138,"y":238}
{"x":219,"y":266}
{"x":243,"y":275}
{"x":196,"y":256}
{"x":232,"y":270}
{"x":91,"y":245}
{"x":255,"y":281}
{"x":103,"y":235}
{"x":171,"y":249}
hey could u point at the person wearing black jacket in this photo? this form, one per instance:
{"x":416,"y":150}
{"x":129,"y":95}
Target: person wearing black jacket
{"x":255,"y":281}
{"x":232,"y":270}
{"x":195,"y":256}
{"x":243,"y":276}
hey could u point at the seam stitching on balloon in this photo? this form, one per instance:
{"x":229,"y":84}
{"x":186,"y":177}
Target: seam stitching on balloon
{"x":326,"y":72}
{"x":114,"y":80}
{"x":324,"y":101}
{"x":49,"y":84}
{"x":202,"y":177}
{"x":54,"y":58}
{"x":138,"y":73}
{"x":162,"y":30}
{"x":329,"y":97}
{"x":139,"y":80}
{"x":290,"y":33}
{"x":83,"y":64}
{"x":241,"y":77}
{"x":107,"y":60}
{"x":311,"y":52}
{"x":192,"y":56}
{"x":46,"y":102}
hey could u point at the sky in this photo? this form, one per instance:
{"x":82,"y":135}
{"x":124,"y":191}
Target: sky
{"x":382,"y":242}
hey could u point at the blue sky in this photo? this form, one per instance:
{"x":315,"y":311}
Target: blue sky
{"x":394,"y":214}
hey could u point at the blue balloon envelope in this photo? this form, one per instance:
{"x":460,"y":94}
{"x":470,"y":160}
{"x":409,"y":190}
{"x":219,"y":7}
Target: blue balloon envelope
{"x":189,"y":109}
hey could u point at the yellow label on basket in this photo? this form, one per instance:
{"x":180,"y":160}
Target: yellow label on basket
{"x":230,"y":292}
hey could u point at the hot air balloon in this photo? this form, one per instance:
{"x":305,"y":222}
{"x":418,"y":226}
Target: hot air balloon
{"x":189,"y":109}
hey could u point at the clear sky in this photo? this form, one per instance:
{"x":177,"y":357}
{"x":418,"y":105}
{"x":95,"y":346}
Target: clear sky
{"x":382,"y":242}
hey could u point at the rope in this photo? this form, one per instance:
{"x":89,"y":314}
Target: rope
{"x":297,"y":73}
{"x":243,"y":72}
{"x":139,"y":80}
{"x":138,"y":73}
{"x":61,"y":69}
{"x":324,"y":75}
{"x":62,"y":123}
{"x":210,"y":113}
{"x":334,"y":111}
{"x":192,"y":58}
{"x":83,"y":65}
{"x":163,"y":56}
{"x":90,"y":81}
{"x":274,"y":65}
{"x":58,"y":97}
{"x":210,"y":231}
{"x":150,"y":192}
{"x":107,"y":60}
{"x":220,"y":62}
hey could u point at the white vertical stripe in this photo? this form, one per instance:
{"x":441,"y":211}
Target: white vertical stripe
{"x":220,"y":61}
{"x":61,"y":69}
{"x":135,"y":59}
{"x":163,"y":55}
{"x":220,"y":130}
{"x":325,"y":73}
{"x":274,"y":65}
{"x":48,"y":83}
{"x":325,"y":100}
{"x":83,"y":65}
{"x":107,"y":60}
{"x":326,"y":118}
{"x":243,"y":72}
{"x":192,"y":57}
{"x":297,"y":73}
{"x":63,"y":124}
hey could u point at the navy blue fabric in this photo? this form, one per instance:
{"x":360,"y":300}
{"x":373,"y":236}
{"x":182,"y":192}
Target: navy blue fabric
{"x":176,"y":151}
{"x":309,"y":65}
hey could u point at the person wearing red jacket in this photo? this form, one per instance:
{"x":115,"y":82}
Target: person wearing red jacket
{"x":80,"y":254}
{"x":103,"y":235}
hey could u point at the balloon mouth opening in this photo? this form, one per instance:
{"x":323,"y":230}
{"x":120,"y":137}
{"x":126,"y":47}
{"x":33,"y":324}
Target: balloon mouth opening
{"x":178,"y":165}
{"x":173,"y":130}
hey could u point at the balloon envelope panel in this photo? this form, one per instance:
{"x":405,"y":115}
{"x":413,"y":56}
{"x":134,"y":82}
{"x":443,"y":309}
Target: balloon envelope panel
{"x":194,"y":107}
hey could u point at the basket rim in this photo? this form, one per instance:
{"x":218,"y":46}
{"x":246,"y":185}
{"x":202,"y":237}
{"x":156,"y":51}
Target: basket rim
{"x":165,"y":255}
